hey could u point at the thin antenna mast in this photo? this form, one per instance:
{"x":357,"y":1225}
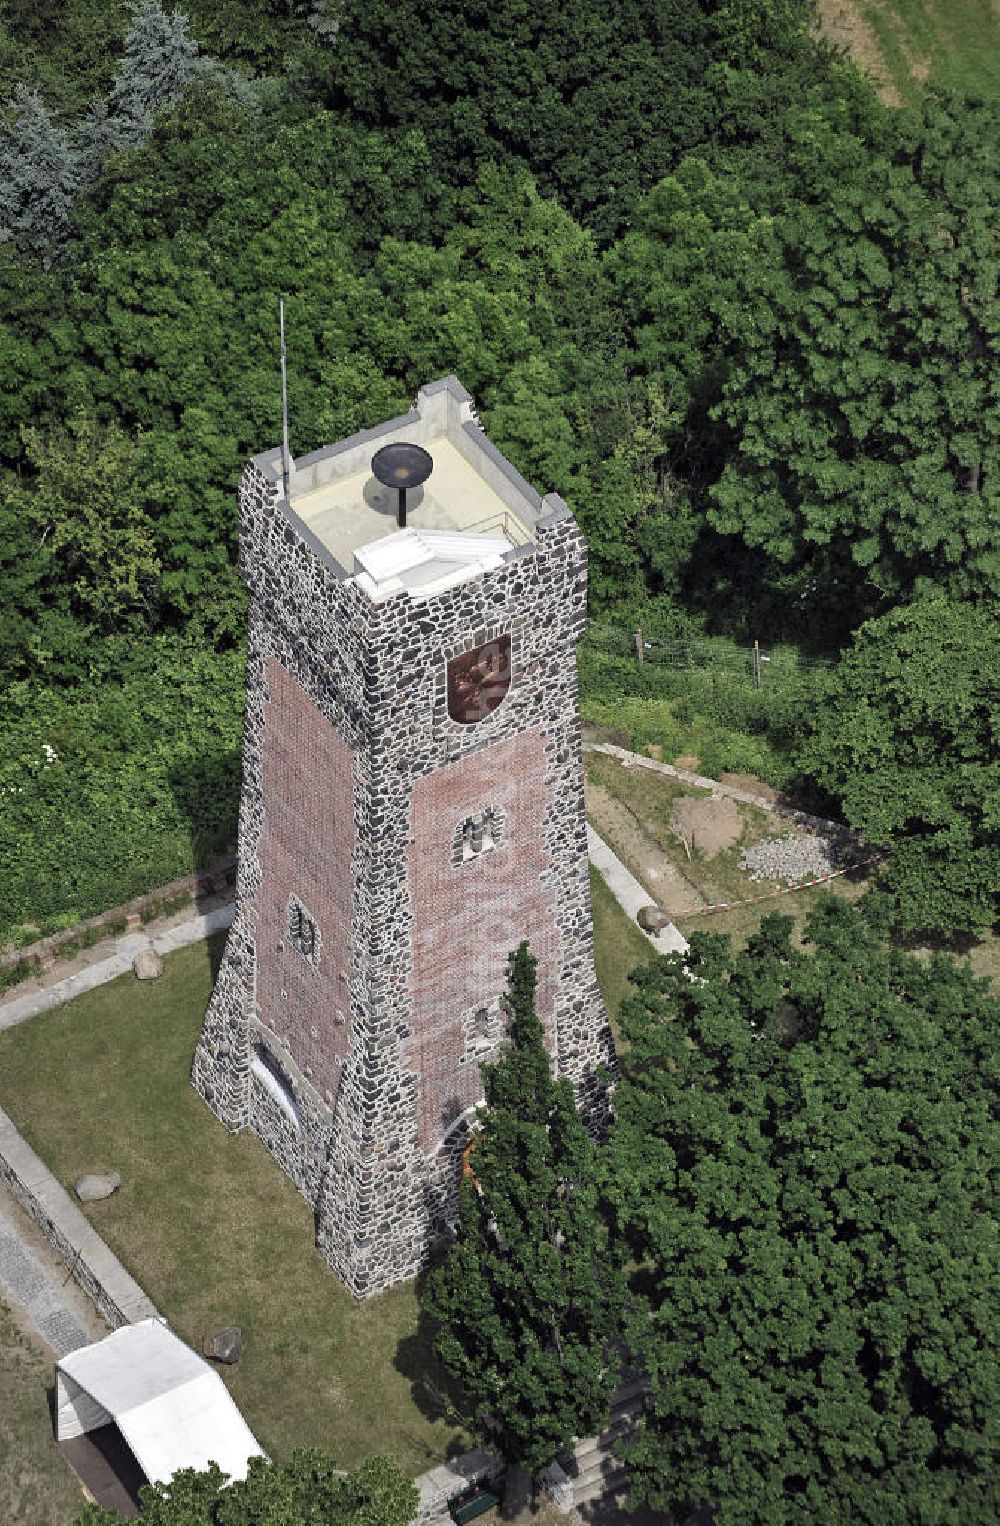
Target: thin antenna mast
{"x":286,"y":460}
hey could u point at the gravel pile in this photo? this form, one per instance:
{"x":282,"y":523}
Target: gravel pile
{"x":789,"y":858}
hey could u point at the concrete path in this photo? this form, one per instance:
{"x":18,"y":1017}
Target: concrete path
{"x":97,"y":966}
{"x":35,"y":1282}
{"x":17,"y":1008}
{"x":629,"y":894}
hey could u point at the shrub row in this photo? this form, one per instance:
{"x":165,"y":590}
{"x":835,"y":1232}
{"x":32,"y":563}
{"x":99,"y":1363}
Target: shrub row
{"x":699,"y":703}
{"x":118,"y":785}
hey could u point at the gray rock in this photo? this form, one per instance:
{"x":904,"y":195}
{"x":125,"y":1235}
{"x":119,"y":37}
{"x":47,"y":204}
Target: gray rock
{"x":147,"y":964}
{"x":651,"y":919}
{"x":96,"y":1184}
{"x":789,"y":858}
{"x":224,"y":1345}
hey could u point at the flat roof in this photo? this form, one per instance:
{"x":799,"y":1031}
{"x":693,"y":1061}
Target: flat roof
{"x":351,"y":512}
{"x":472,"y":491}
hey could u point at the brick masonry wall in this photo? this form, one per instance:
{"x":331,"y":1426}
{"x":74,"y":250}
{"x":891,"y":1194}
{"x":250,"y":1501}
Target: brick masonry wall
{"x":469,"y":915}
{"x":380,"y":1185}
{"x":305,"y":851}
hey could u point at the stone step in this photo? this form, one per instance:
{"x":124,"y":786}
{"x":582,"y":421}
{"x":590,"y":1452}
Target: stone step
{"x":579,"y":1462}
{"x":634,"y":1388}
{"x":597,"y":1493}
{"x":605,"y":1466}
{"x":613,"y":1486}
{"x":600,"y":1444}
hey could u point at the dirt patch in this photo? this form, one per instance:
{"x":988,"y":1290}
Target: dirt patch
{"x":843,"y":25}
{"x":752,"y":785}
{"x":667,"y":885}
{"x":707,"y":823}
{"x":919,"y":64}
{"x":688,"y":760}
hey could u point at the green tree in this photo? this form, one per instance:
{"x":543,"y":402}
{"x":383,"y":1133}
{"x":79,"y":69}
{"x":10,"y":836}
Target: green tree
{"x":905,"y":737}
{"x":521,"y":1298}
{"x":306,"y":1489}
{"x":861,"y":405}
{"x":803,"y":1169}
{"x":159,"y":60}
{"x":592,"y":98}
{"x":90,"y":505}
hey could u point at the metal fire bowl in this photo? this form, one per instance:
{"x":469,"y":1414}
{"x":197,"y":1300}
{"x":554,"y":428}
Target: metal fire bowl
{"x":402,"y":466}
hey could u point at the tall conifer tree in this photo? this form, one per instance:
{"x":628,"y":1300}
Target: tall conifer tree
{"x":39,"y":179}
{"x":522,"y":1299}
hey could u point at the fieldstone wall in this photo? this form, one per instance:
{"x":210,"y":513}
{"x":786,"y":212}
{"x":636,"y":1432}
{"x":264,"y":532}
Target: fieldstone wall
{"x":370,"y":1158}
{"x":115,"y":1293}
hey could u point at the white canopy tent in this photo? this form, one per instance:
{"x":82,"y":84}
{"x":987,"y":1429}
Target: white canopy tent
{"x":170,"y":1407}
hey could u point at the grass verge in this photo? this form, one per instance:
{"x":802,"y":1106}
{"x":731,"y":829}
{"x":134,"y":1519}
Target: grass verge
{"x":619,"y":945}
{"x":36,"y":1486}
{"x":212,"y":1229}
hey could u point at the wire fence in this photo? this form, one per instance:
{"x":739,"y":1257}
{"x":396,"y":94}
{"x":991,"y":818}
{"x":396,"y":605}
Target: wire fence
{"x":758,"y":661}
{"x":737,"y":708}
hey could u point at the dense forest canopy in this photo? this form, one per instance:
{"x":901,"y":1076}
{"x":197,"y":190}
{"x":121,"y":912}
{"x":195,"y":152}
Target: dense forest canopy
{"x":699,"y":280}
{"x":744,"y":318}
{"x":801,"y":1169}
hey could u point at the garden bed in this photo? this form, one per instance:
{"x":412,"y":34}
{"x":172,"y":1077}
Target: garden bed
{"x":684,"y":845}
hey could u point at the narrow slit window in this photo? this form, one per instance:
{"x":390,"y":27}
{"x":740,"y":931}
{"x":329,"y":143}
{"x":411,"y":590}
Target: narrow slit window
{"x":302,"y":930}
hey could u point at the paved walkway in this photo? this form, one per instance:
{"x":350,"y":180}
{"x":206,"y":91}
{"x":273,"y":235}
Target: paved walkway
{"x":36,"y":1283}
{"x":630,"y":895}
{"x":98,"y":966}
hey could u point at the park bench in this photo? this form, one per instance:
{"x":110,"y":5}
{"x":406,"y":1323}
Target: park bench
{"x":472,"y":1503}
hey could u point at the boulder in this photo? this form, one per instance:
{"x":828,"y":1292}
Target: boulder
{"x":651,"y":919}
{"x":147,"y":964}
{"x":224,"y":1345}
{"x":96,"y":1184}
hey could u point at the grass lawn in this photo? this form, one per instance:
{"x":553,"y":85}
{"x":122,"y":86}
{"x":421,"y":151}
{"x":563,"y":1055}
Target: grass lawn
{"x":212,"y":1229}
{"x":952,"y":43}
{"x":619,"y":945}
{"x":956,"y":41}
{"x":36,"y":1486}
{"x":215,"y":1232}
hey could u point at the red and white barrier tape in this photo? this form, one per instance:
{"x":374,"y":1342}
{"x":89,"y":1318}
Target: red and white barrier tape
{"x":749,"y":900}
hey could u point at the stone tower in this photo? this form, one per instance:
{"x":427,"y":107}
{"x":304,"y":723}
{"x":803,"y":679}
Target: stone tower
{"x":412,"y":808}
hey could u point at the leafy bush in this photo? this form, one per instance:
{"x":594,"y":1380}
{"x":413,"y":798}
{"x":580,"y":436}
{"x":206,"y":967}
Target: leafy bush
{"x":113,"y":787}
{"x":696,"y":697}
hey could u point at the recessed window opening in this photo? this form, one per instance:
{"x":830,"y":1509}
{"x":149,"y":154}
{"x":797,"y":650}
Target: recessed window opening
{"x":269,"y":1073}
{"x":479,"y":834}
{"x":302,"y":930}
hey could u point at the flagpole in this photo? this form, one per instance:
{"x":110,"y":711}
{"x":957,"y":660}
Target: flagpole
{"x":286,"y":460}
